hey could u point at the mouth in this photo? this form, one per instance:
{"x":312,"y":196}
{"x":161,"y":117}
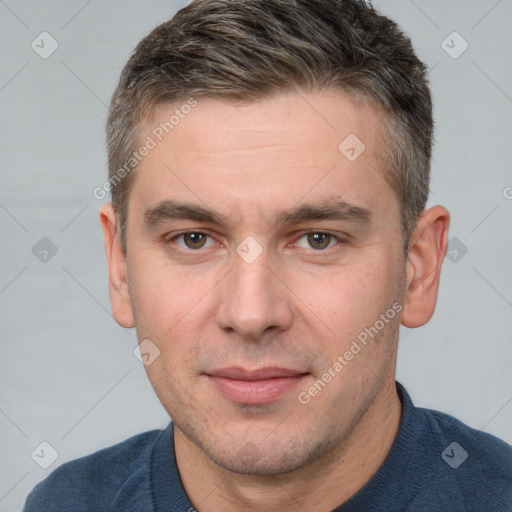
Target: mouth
{"x":255,"y":387}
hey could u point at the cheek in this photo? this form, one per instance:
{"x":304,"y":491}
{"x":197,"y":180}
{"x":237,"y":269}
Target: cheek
{"x":164,"y":294}
{"x":344,"y":293}
{"x":343,"y":302}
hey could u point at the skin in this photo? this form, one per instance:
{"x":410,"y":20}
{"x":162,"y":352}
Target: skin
{"x":297,"y":306}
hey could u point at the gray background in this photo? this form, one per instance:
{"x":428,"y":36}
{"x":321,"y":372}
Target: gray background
{"x":68,"y":375}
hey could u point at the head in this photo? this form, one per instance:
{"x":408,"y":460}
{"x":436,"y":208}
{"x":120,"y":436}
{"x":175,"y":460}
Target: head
{"x":269,"y":167}
{"x":245,"y":51}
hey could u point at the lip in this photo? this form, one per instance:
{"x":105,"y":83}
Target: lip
{"x":255,"y":387}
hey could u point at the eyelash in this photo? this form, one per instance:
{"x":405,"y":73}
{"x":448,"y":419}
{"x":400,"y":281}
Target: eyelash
{"x":338,"y":239}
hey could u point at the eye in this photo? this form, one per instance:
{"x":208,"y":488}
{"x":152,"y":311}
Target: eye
{"x":317,"y":240}
{"x":192,"y":240}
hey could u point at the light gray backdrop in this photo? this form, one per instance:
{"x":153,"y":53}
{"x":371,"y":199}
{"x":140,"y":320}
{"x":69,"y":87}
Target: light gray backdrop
{"x":68,"y":376}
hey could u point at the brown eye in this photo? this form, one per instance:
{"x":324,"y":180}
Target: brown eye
{"x":190,"y":242}
{"x":319,"y":240}
{"x":194,"y":240}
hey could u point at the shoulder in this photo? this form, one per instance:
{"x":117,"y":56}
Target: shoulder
{"x":468,"y":448}
{"x":97,"y":481}
{"x":470,"y":466}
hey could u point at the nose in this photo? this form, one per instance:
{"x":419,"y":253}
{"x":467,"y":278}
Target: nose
{"x":253,"y":301}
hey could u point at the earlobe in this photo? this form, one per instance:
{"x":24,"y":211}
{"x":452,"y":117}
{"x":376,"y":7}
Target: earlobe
{"x":429,"y":243}
{"x":116,"y":260}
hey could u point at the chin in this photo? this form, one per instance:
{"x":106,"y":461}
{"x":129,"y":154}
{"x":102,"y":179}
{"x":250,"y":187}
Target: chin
{"x":264,"y":457}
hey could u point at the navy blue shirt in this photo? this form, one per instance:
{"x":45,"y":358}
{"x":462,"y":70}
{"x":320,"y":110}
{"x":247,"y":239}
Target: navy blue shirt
{"x":436,"y":464}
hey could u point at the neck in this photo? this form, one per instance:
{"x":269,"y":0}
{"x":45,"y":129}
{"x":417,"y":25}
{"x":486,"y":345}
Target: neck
{"x":322,"y":486}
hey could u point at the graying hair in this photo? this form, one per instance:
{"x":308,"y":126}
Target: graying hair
{"x":247,"y":50}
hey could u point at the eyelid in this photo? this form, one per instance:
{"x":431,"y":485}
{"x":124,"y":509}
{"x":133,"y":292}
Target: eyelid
{"x":172,"y":238}
{"x":338,"y":238}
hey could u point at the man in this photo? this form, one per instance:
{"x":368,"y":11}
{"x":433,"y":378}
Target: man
{"x":269,"y":167}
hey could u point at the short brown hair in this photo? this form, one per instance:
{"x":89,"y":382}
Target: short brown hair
{"x":246,"y":50}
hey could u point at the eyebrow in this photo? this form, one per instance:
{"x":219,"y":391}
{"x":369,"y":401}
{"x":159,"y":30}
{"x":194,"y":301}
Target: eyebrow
{"x":327,"y":210}
{"x":168,"y":210}
{"x":172,"y":210}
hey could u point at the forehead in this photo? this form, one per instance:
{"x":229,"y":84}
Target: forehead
{"x":318,"y":119}
{"x":282,"y":147}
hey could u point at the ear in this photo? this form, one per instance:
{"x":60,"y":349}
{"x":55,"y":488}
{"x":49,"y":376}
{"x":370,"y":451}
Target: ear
{"x":429,"y":243}
{"x":116,"y":259}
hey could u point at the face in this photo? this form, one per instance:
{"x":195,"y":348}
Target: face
{"x":259,"y":255}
